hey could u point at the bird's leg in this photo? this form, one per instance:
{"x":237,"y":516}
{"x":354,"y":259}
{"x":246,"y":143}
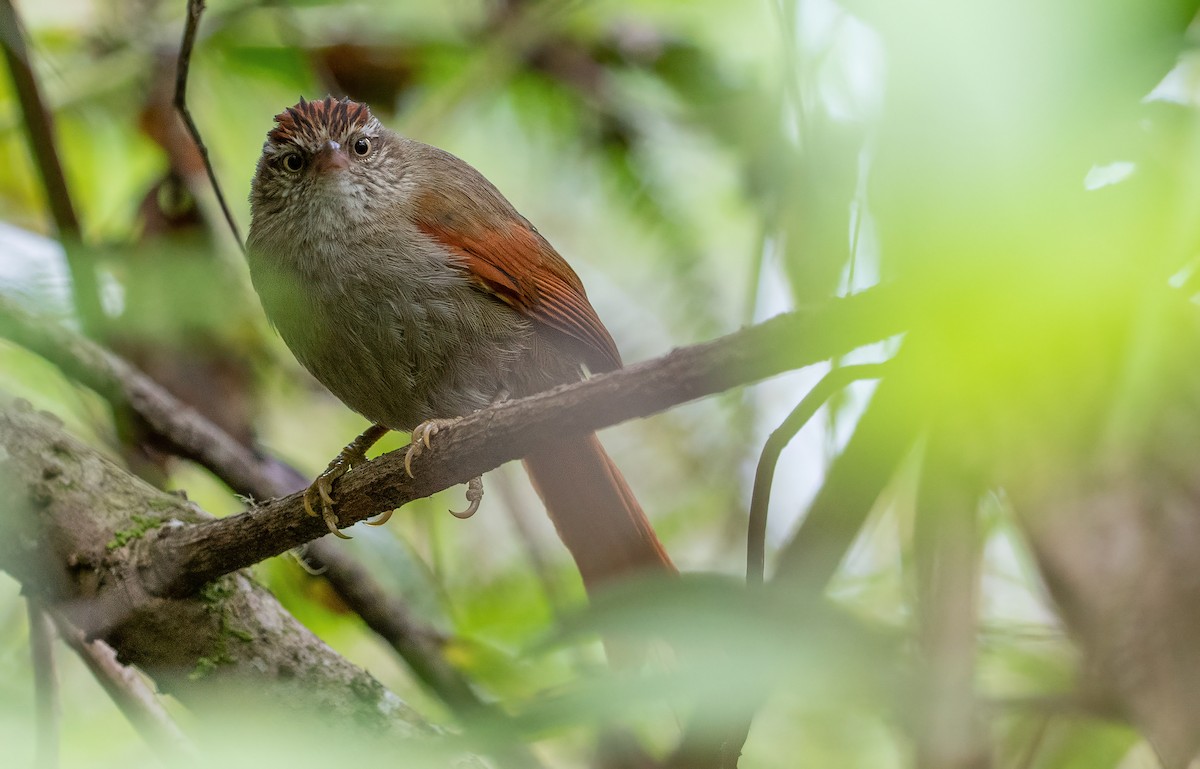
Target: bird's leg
{"x":319,"y":492}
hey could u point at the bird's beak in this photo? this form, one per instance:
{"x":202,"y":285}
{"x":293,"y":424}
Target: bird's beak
{"x":331,"y":157}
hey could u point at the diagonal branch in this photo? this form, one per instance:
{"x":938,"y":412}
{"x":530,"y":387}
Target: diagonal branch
{"x":189,"y":556}
{"x":181,"y":558}
{"x":185,"y":431}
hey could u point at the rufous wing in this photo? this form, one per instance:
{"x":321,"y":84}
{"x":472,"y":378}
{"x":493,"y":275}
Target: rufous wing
{"x":507,"y":257}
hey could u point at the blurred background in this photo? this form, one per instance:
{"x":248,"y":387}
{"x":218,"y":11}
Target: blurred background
{"x":1026,"y":173}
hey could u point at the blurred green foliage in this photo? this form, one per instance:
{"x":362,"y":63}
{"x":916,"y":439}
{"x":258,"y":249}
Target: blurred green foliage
{"x":702,"y":165}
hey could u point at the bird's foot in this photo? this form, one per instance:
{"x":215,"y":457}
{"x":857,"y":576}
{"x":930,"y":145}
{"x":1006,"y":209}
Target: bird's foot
{"x":319,"y":494}
{"x":421,"y":436}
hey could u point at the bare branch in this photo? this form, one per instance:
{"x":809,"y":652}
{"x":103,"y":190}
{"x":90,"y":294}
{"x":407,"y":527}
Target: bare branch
{"x":40,"y":129}
{"x":194,"y":10}
{"x":418,"y":644}
{"x":182,"y":558}
{"x":191,"y":435}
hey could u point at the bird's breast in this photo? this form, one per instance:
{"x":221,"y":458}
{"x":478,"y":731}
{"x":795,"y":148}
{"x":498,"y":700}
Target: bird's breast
{"x":392,"y":328}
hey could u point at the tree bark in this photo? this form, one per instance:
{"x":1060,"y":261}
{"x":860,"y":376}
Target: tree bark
{"x":76,"y":531}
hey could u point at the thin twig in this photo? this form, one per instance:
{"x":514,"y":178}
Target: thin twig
{"x":852,"y":484}
{"x":45,"y":685}
{"x":765,"y":475}
{"x":132,"y":696}
{"x":881,"y":439}
{"x":39,"y":126}
{"x":194,"y":10}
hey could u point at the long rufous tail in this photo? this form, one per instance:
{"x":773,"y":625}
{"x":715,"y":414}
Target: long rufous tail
{"x":596,"y":514}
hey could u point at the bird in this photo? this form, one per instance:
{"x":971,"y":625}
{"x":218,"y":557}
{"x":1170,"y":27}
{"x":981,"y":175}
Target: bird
{"x":409,"y":286}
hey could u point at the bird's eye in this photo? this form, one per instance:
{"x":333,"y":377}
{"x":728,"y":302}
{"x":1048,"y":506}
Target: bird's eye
{"x":293,"y":162}
{"x":362,"y":146}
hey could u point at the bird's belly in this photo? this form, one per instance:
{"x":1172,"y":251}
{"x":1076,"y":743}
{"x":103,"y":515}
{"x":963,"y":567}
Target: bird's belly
{"x":423,"y":353}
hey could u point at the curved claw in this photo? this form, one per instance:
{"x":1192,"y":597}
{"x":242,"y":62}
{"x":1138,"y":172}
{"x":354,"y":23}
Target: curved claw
{"x":382,"y":519}
{"x":474,"y":497}
{"x":422,"y":434}
{"x":330,"y":517}
{"x":319,"y":490}
{"x":462,"y":515}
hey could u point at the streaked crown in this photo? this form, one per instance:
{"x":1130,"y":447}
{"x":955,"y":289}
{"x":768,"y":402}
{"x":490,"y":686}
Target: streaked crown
{"x":313,"y":122}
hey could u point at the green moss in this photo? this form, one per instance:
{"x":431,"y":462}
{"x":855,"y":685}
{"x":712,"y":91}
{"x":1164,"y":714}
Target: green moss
{"x":141,"y":525}
{"x":215,"y":593}
{"x":206,"y":665}
{"x":215,"y":596}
